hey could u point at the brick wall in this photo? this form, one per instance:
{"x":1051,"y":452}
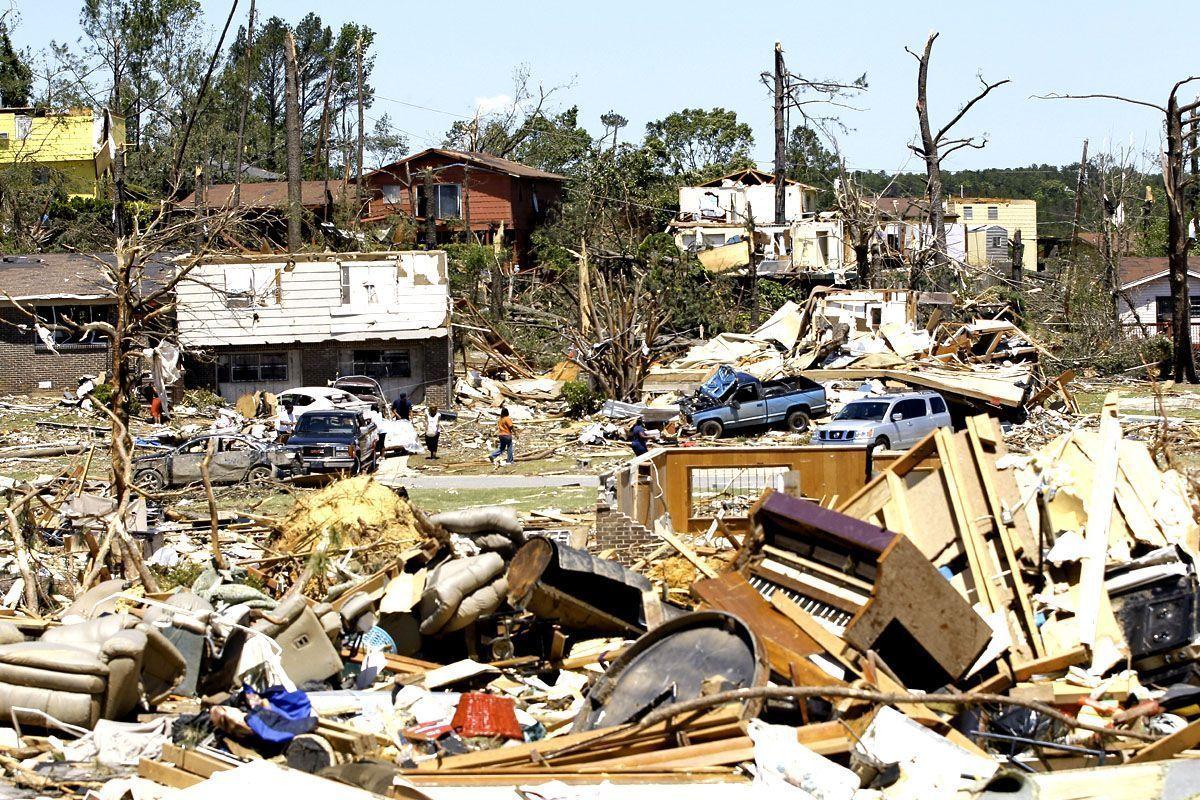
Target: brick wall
{"x":436,"y":359}
{"x":630,"y":540}
{"x":23,"y":366}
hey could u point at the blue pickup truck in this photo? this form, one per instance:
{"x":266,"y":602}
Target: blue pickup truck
{"x":732,"y":400}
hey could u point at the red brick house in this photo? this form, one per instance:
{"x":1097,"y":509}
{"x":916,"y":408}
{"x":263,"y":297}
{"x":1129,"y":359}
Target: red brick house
{"x":498,"y":195}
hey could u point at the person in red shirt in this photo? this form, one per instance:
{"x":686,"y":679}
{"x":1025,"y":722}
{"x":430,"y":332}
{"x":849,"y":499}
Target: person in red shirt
{"x":156,"y":410}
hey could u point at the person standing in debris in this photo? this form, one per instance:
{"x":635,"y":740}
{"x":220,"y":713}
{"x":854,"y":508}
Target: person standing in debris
{"x":401,"y":407}
{"x":285,"y":420}
{"x":505,"y":429}
{"x":638,"y":436}
{"x":156,"y":409}
{"x":433,"y":429}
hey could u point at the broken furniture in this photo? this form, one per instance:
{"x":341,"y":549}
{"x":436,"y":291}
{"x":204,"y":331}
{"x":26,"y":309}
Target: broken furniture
{"x":704,"y":652}
{"x":562,"y":584}
{"x":87,"y":671}
{"x":901,"y":606}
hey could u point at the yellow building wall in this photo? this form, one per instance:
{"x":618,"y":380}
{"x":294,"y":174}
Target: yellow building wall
{"x":63,"y":142}
{"x":1012,"y":215}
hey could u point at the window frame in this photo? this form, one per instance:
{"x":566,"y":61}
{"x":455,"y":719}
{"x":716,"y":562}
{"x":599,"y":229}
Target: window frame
{"x":374,"y":362}
{"x":65,"y":338}
{"x":937,"y":401}
{"x":968,"y":212}
{"x":993,"y":213}
{"x":252,"y":363}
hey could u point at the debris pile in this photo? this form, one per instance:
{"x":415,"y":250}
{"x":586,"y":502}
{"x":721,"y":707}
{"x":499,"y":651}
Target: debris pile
{"x":954,"y":613}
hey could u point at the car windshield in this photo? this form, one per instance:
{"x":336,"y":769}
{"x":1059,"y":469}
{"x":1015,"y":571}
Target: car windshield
{"x":873,"y":411}
{"x":322,"y":424}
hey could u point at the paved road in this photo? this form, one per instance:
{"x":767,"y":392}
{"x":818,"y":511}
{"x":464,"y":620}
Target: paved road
{"x":394,"y":472}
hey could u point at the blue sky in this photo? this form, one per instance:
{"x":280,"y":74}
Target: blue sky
{"x":646,"y":59}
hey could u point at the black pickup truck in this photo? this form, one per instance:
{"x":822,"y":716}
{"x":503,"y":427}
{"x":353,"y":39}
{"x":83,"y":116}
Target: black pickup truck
{"x":335,"y":441}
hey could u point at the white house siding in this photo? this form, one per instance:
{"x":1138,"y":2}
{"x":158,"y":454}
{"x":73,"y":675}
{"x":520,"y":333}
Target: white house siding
{"x":397,"y":302}
{"x":303,"y":302}
{"x":1142,"y":300}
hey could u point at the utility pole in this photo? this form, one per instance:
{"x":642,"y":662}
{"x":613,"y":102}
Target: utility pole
{"x":362,"y":134}
{"x":780,"y":141}
{"x":241,"y":135}
{"x":1018,"y":267}
{"x":292,"y":101}
{"x":1079,"y":196}
{"x":1074,"y":231}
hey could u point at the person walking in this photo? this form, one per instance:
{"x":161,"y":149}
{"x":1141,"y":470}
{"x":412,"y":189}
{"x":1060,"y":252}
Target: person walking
{"x":401,"y":406}
{"x":505,"y":429}
{"x":433,"y":429}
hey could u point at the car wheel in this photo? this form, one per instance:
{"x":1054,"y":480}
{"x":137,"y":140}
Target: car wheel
{"x":259,"y":476}
{"x":711,"y":428}
{"x":798,"y":421}
{"x":357,"y":468}
{"x":882,"y":443}
{"x":149,"y":479}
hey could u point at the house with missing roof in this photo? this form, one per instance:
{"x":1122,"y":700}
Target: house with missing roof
{"x":252,"y":323}
{"x":497,"y":199}
{"x":54,"y":286}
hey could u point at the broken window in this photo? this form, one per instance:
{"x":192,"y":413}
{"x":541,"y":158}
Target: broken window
{"x":392,"y":193}
{"x":379,"y":364}
{"x":58,"y":319}
{"x":249,"y":287}
{"x":252,"y":367}
{"x":24,"y":124}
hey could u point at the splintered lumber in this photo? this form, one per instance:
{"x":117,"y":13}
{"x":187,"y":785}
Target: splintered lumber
{"x":194,"y":761}
{"x":422,"y":779}
{"x":1168,"y":746}
{"x":787,"y":647}
{"x":663,"y":530}
{"x":1099,"y":518}
{"x":593,"y":744}
{"x":1048,"y":665}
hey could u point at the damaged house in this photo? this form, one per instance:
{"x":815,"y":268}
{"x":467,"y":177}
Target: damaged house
{"x":269,"y":323}
{"x":67,"y":286}
{"x":498,"y":199}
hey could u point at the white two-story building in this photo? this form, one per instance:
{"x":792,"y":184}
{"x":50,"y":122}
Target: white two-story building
{"x":269,"y":323}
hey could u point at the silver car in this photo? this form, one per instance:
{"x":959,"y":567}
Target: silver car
{"x":887,"y":422}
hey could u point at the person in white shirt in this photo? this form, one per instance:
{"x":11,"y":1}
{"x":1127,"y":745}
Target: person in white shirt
{"x":285,"y":420}
{"x":433,"y":430}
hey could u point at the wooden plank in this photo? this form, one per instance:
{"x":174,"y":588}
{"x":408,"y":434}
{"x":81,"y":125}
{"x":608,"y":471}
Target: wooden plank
{"x":787,"y":647}
{"x":666,"y":534}
{"x":979,"y":438}
{"x":167,"y":775}
{"x":835,"y":647}
{"x":1099,"y":518}
{"x":1169,"y":746}
{"x":194,"y":761}
{"x":532,"y":752}
{"x":1047,"y":665}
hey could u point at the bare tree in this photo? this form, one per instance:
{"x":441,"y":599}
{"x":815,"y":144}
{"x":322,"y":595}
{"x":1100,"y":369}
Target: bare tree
{"x":935,"y":147}
{"x":1177,"y":117}
{"x":140,"y":279}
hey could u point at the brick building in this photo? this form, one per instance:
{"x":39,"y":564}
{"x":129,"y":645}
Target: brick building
{"x":54,"y":286}
{"x":496,"y":196}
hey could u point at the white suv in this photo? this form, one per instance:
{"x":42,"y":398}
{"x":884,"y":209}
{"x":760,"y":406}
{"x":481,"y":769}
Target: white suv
{"x":888,"y":422}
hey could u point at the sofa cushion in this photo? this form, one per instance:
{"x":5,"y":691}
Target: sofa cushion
{"x":73,"y":708}
{"x":91,"y":632}
{"x":10,"y":633}
{"x":53,"y":656}
{"x":94,"y":601}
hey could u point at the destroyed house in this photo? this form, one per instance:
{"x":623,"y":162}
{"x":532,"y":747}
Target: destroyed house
{"x":55,"y":287}
{"x":269,"y":323}
{"x":500,"y":200}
